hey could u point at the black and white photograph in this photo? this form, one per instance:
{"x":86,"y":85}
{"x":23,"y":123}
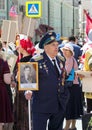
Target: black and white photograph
{"x":28,"y":76}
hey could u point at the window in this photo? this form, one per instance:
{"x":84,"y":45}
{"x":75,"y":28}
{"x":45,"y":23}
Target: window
{"x":2,"y":4}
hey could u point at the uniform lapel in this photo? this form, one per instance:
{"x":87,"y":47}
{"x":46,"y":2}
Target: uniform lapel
{"x":49,"y":63}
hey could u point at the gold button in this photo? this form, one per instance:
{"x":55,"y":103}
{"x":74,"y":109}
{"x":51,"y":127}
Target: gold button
{"x":59,"y":84}
{"x":58,"y":90}
{"x":59,"y":95}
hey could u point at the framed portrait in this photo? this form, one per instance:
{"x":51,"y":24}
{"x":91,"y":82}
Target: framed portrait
{"x":9,"y":30}
{"x":86,"y":81}
{"x":28,"y":75}
{"x":11,"y":59}
{"x":29,"y":30}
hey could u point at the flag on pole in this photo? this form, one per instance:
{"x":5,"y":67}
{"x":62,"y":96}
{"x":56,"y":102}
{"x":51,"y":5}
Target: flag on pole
{"x":13,"y":11}
{"x":88,"y":25}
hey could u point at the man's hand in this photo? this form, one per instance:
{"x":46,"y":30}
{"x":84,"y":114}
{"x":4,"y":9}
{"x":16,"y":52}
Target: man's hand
{"x":28,"y":95}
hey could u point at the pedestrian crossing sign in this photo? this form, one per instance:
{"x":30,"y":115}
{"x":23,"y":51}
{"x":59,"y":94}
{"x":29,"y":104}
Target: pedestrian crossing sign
{"x":33,"y":9}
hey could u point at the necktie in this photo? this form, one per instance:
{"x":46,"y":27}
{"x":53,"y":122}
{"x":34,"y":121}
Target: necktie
{"x":56,"y":69}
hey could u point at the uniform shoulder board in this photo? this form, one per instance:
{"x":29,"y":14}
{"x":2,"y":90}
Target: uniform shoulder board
{"x":37,"y":57}
{"x":61,"y":58}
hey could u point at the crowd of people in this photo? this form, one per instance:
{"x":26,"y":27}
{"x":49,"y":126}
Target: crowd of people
{"x":60,"y":93}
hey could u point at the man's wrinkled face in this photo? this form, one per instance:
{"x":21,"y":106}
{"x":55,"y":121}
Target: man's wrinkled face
{"x":51,"y":49}
{"x":27,"y":71}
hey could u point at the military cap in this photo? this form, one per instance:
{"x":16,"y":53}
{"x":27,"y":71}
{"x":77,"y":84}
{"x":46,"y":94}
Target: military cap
{"x":48,"y":38}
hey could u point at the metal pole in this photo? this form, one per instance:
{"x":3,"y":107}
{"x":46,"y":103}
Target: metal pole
{"x":7,"y":9}
{"x":73,"y":17}
{"x":61,"y":20}
{"x":80,"y":19}
{"x":48,"y":12}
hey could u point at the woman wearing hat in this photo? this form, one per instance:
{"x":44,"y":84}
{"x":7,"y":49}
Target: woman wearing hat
{"x":74,"y":106}
{"x":26,"y":50}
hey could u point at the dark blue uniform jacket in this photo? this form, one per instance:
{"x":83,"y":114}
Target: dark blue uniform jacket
{"x":51,"y":94}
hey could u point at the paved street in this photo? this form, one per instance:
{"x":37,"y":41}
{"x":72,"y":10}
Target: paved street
{"x":78,"y":124}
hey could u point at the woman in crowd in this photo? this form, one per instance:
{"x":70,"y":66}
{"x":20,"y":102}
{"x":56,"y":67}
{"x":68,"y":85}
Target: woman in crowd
{"x":6,"y":111}
{"x":74,"y":106}
{"x":87,"y":66}
{"x":26,"y":50}
{"x":6,"y":115}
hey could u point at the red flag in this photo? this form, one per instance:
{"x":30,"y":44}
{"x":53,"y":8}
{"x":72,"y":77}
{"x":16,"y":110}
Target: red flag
{"x":88,"y":26}
{"x":13,"y":12}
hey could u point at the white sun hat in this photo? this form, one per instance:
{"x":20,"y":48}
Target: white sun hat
{"x":68,"y":46}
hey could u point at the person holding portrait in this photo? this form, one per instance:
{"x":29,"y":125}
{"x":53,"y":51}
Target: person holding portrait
{"x":49,"y":102}
{"x":26,"y":49}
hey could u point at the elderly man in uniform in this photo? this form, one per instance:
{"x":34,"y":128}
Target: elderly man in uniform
{"x":49,"y":102}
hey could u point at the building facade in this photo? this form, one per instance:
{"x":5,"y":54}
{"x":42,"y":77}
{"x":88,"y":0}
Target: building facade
{"x":62,"y":15}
